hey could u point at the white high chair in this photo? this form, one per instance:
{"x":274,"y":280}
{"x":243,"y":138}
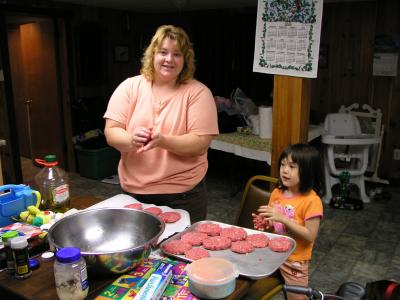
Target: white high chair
{"x":346,"y":150}
{"x":370,"y":122}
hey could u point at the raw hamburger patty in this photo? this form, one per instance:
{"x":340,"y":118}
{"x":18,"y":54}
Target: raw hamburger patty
{"x":196,"y":253}
{"x":170,"y":216}
{"x":153,"y":210}
{"x":176,"y":247}
{"x":194,"y":238}
{"x":242,"y":247}
{"x":260,"y":223}
{"x":280,"y":244}
{"x":209,"y":228}
{"x":234,"y":233}
{"x":258,"y":240}
{"x":217,"y":243}
{"x":135,"y":206}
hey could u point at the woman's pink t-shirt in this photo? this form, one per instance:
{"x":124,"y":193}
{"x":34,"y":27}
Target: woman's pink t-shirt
{"x":191,"y":109}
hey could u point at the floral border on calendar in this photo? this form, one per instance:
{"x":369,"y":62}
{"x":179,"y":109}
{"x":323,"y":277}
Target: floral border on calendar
{"x":273,"y":15}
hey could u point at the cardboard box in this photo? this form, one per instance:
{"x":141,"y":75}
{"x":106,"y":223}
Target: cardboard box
{"x":156,"y":284}
{"x":127,"y":286}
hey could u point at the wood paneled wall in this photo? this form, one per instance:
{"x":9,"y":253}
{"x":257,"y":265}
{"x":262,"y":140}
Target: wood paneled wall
{"x":349,"y":31}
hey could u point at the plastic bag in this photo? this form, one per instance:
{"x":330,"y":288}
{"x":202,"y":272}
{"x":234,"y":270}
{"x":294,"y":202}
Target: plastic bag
{"x":226,"y":105}
{"x":244,"y":104}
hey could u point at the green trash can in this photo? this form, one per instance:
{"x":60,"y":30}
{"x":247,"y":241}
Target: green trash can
{"x":97,"y":163}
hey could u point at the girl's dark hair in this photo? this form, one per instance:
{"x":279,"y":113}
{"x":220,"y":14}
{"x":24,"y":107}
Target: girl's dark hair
{"x":311,"y":175}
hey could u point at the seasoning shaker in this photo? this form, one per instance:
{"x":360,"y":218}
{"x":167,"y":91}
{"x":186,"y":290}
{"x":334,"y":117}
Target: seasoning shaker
{"x":70,"y":274}
{"x":6,"y":237}
{"x":19,"y":246}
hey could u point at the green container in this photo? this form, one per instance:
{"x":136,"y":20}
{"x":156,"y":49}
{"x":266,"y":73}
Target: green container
{"x":97,"y":163}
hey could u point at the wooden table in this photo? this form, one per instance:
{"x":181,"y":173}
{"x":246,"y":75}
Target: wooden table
{"x":41,"y":286}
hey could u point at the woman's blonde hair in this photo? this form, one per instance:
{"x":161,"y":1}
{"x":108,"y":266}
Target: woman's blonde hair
{"x":179,"y":35}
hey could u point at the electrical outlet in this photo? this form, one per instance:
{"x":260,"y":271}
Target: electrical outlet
{"x":396,"y":154}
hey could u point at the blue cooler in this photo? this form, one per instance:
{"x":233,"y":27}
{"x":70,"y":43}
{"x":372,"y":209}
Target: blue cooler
{"x":14,"y":199}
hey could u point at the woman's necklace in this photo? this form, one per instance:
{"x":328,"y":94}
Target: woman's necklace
{"x":157,"y":105}
{"x":158,"y":100}
{"x":160,"y":105}
{"x":161,"y":95}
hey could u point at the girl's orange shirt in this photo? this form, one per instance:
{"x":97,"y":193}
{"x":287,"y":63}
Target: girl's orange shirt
{"x":298,"y":208}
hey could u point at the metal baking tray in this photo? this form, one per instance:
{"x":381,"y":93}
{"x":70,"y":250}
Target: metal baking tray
{"x":258,"y":264}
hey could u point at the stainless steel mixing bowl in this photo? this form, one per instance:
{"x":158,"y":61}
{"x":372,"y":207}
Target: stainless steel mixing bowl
{"x":112,"y":240}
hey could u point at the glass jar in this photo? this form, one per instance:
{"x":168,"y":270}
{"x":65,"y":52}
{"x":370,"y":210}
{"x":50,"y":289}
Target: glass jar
{"x":70,"y":274}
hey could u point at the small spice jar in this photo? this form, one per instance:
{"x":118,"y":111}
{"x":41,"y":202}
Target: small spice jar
{"x":6,"y":237}
{"x":19,"y":246}
{"x":70,"y":274}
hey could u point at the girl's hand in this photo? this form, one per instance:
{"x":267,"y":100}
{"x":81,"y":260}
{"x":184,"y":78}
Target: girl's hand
{"x":271,"y":213}
{"x":261,"y":223}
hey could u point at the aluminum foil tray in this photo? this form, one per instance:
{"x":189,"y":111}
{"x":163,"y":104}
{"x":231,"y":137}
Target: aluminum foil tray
{"x":258,"y":264}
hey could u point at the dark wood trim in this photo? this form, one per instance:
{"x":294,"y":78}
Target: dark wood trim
{"x":12,"y":165}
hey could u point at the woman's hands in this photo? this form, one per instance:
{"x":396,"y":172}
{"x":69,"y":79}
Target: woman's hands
{"x":187,"y":145}
{"x":141,"y":137}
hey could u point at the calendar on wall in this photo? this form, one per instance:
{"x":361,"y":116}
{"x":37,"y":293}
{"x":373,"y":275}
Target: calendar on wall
{"x":288,"y":37}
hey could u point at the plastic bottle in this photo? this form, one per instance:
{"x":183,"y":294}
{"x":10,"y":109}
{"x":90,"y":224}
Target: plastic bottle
{"x":52,"y":182}
{"x":344,"y":178}
{"x":6,"y":237}
{"x":70,"y":274}
{"x":19,"y":246}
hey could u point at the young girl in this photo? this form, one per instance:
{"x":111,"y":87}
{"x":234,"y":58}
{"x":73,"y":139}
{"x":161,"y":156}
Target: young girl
{"x":295,"y":209}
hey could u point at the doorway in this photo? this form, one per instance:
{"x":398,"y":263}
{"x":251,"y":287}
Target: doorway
{"x":39,"y":82}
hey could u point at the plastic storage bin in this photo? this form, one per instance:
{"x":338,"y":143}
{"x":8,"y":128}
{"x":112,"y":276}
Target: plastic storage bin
{"x":97,"y":163}
{"x":14,"y":199}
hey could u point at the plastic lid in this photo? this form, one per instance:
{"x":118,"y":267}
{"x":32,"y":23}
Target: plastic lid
{"x":50,"y":158}
{"x":9,"y":235}
{"x":19,"y":242}
{"x":212,"y":270}
{"x":47,"y":256}
{"x":68,"y":254}
{"x":33,"y":263}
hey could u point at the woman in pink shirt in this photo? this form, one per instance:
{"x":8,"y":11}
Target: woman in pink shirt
{"x":162,"y":122}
